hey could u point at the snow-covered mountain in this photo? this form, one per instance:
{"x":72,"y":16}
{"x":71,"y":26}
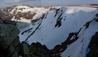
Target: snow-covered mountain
{"x":66,"y":30}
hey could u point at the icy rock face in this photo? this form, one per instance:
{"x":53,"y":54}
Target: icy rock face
{"x":8,"y":39}
{"x":93,"y":46}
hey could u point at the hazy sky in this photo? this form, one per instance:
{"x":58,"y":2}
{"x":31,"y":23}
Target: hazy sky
{"x":38,"y":2}
{"x":9,"y":1}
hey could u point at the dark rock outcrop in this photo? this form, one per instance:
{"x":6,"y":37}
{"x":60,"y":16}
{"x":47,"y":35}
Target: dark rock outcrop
{"x":9,"y":39}
{"x":93,"y":46}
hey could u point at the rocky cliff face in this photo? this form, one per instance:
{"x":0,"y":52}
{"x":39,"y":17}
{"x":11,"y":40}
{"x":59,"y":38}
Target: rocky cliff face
{"x":9,"y":39}
{"x":93,"y":46}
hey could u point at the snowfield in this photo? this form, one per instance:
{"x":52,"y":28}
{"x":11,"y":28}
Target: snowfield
{"x":54,"y":25}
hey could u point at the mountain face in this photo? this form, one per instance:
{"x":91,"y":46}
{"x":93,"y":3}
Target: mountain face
{"x":60,"y":31}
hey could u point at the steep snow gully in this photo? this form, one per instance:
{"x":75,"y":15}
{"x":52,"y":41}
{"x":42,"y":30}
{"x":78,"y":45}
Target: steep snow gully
{"x":65,"y":31}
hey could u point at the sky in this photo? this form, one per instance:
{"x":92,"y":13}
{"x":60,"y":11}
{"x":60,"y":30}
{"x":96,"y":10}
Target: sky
{"x":47,"y":2}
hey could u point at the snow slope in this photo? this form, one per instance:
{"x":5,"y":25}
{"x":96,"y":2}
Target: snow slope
{"x":56,"y":23}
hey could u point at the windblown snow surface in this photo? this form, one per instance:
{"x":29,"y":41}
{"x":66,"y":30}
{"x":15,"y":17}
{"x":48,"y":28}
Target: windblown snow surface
{"x":48,"y":32}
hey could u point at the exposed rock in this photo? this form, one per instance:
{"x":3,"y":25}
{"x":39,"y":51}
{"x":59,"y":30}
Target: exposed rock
{"x":59,"y":18}
{"x":93,"y":46}
{"x":25,"y":50}
{"x":5,"y":15}
{"x":96,"y":19}
{"x":9,"y":40}
{"x":39,"y":50}
{"x":27,"y":15}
